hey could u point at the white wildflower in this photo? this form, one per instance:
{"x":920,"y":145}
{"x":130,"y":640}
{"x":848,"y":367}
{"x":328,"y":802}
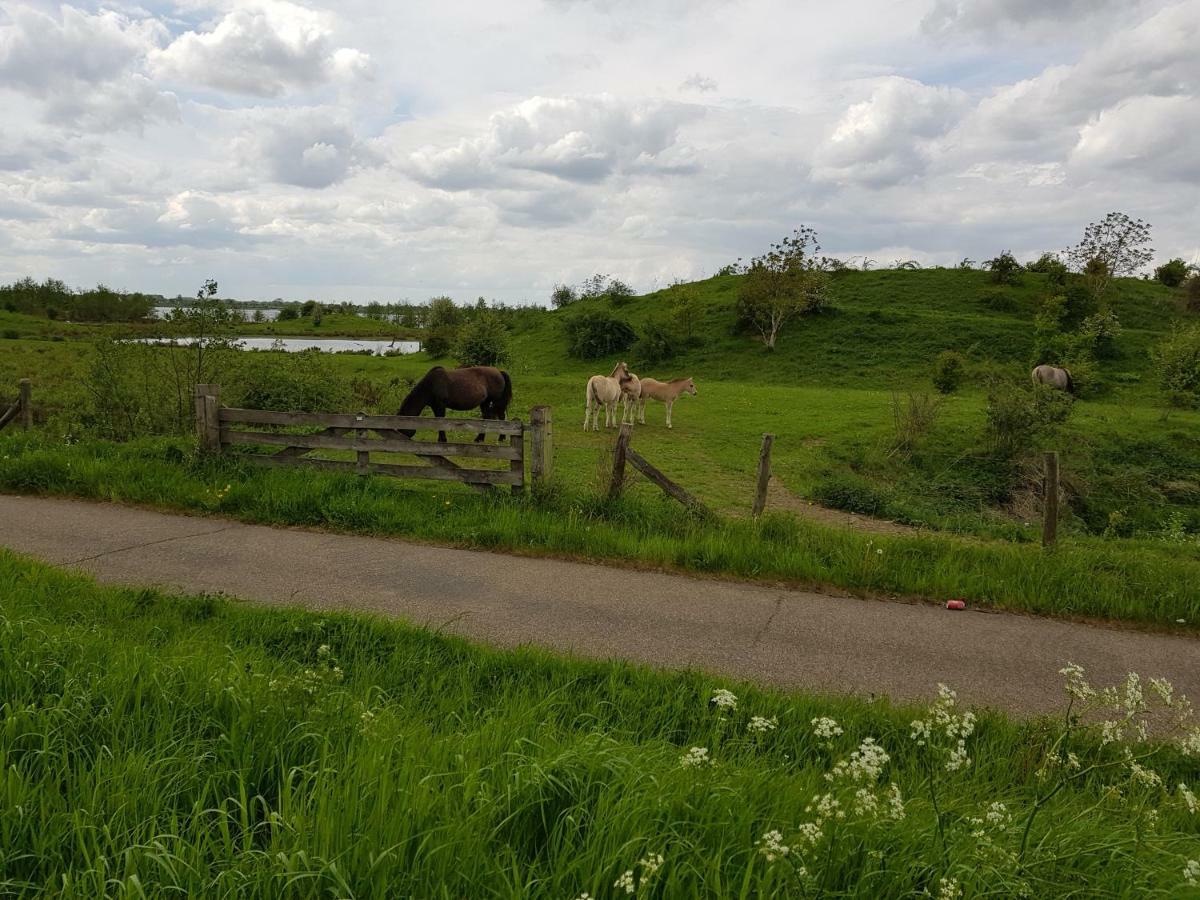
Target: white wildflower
{"x":1135,"y":701}
{"x":584,"y":896}
{"x":1191,"y":872}
{"x":1164,"y":689}
{"x":1188,"y":798}
{"x":826,"y":728}
{"x":895,"y":803}
{"x":1145,"y":776}
{"x":811,"y":833}
{"x":1191,"y":744}
{"x":1111,"y":733}
{"x":864,"y":764}
{"x":696,"y":758}
{"x":723,"y":699}
{"x":921,"y":730}
{"x":760,"y":725}
{"x":998,"y":815}
{"x":958,"y":758}
{"x":865,"y":802}
{"x":771,"y":846}
{"x":650,"y":864}
{"x":323,"y":651}
{"x":625,"y":882}
{"x":949,"y":889}
{"x":1077,"y":684}
{"x":827,"y":807}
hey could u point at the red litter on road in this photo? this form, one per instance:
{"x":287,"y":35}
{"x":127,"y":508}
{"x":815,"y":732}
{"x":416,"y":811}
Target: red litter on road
{"x":956,"y":604}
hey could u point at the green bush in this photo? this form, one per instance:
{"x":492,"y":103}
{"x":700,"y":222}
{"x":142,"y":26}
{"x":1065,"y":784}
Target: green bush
{"x":1049,"y":264}
{"x":596,"y":334}
{"x":1004,"y":268}
{"x":483,"y":341}
{"x":304,"y":382}
{"x":852,"y":495}
{"x":1018,"y":415}
{"x":1177,"y":365}
{"x":1191,"y":293}
{"x":949,"y":370}
{"x":439,"y":341}
{"x":1172,"y":273}
{"x":288,"y":314}
{"x":658,"y":343}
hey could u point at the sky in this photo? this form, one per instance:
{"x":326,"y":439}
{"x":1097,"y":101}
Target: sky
{"x":395,"y":151}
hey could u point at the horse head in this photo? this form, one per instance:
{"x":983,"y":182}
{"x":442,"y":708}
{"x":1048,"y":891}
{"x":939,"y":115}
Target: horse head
{"x":689,"y":387}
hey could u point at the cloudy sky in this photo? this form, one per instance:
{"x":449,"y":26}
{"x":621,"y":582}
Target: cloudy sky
{"x":366,"y":150}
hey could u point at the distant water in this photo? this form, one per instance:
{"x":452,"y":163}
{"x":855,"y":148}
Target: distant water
{"x":269,"y":315}
{"x":295,"y":345}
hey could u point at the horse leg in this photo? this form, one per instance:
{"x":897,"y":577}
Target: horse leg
{"x":499,"y":412}
{"x":641,"y":410}
{"x":439,"y":411}
{"x":670,"y":403}
{"x":486,"y":411}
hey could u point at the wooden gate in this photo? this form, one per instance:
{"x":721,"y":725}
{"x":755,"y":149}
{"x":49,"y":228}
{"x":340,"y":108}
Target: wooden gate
{"x":219,"y":428}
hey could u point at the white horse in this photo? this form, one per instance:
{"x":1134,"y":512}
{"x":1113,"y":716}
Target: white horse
{"x":1054,"y":377}
{"x":635,"y":403}
{"x":666,"y":392}
{"x":606,"y":391}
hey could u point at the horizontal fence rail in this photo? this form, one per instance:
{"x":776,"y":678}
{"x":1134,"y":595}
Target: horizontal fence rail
{"x":219,"y":428}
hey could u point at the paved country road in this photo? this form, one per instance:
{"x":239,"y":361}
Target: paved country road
{"x":761,"y":633}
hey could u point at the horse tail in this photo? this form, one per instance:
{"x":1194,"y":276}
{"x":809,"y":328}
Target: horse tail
{"x":506,"y":396}
{"x":1070,"y":382}
{"x":589,"y":395}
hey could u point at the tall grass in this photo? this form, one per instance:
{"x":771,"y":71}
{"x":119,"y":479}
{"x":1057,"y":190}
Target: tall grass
{"x":189,"y":746}
{"x":1132,"y":581}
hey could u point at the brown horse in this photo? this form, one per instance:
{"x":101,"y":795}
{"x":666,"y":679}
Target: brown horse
{"x":440,"y":389}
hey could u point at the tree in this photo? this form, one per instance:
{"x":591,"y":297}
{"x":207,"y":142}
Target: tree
{"x":595,"y":334}
{"x":562,"y":295}
{"x":1172,"y":273}
{"x":1004,"y":268}
{"x":785,"y":282}
{"x":1114,"y":247}
{"x":686,"y":308}
{"x":483,"y":341}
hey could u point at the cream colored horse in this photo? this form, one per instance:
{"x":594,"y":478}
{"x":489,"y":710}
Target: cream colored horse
{"x":666,"y":392}
{"x":1054,"y":377}
{"x":606,"y":391}
{"x":635,"y":404}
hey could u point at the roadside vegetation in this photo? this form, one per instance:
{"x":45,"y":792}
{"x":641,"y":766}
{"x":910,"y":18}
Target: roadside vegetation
{"x":194,"y":746}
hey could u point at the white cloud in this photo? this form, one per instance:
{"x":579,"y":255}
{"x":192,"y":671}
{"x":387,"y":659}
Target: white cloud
{"x":990,"y":16}
{"x":889,"y":137}
{"x":1154,"y":136}
{"x":307,"y":147}
{"x":701,"y":84}
{"x":263,"y":49}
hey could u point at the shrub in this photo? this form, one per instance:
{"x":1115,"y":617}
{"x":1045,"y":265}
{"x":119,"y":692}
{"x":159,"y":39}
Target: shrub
{"x":595,"y":334}
{"x":1098,"y":333}
{"x":1004,"y":268}
{"x":658,"y":343}
{"x":562,"y":295}
{"x":997,"y":299}
{"x":482,"y":342}
{"x":1191,"y":293}
{"x":438,"y":342}
{"x":1177,"y":365}
{"x":949,"y":369}
{"x":1173,"y":272}
{"x":1018,"y":415}
{"x":913,"y":418}
{"x":305,"y":381}
{"x":1049,"y":264}
{"x":852,"y":495}
{"x":288,"y":314}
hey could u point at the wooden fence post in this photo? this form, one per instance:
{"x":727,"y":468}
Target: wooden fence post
{"x":201,"y":429}
{"x":1050,"y":501}
{"x":26,"y":405}
{"x":208,"y":423}
{"x":362,"y":459}
{"x":542,"y":443}
{"x":764,"y":475}
{"x":618,"y":469}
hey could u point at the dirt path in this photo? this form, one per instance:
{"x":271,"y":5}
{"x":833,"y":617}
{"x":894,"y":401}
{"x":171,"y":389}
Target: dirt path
{"x":757,"y":632}
{"x":779,"y":497}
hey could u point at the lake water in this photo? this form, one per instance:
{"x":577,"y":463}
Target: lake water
{"x":295,"y":345}
{"x":269,"y":315}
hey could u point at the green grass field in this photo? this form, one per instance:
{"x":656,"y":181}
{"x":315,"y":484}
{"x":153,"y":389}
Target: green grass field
{"x":159,"y":746}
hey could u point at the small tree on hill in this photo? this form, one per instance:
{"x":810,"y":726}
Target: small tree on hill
{"x":686,"y":308}
{"x":1114,"y":247}
{"x":1172,"y":273}
{"x":785,"y":282}
{"x":1004,"y":268}
{"x":483,"y":341}
{"x":562,"y":295}
{"x":595,"y":334}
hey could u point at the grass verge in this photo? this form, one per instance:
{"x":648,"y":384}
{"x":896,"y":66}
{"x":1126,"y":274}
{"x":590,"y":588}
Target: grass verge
{"x":1144,"y":582}
{"x":192,"y":746}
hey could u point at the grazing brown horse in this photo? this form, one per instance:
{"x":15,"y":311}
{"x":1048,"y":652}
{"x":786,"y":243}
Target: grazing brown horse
{"x":440,"y":389}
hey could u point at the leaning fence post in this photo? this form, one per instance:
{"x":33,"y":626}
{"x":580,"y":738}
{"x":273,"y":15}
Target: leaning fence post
{"x":618,"y":469}
{"x":1050,"y":501}
{"x":208,"y":422}
{"x":26,"y":406}
{"x":201,"y":429}
{"x":541,"y":440}
{"x":764,"y":475}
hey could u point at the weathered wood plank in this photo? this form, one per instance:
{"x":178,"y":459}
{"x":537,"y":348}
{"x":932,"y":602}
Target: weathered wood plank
{"x":9,"y":414}
{"x":764,"y":475}
{"x":212,"y":424}
{"x":374,"y":423}
{"x":26,"y":402}
{"x":293,"y":452}
{"x":668,"y":486}
{"x":517,"y":465}
{"x":373,"y":445}
{"x":619,"y":453}
{"x":541,"y":444}
{"x":471,"y":477}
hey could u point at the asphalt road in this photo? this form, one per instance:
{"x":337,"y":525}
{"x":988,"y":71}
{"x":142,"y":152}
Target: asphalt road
{"x":761,"y":633}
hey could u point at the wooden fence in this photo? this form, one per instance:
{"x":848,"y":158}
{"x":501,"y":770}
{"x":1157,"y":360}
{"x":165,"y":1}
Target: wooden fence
{"x":219,"y":428}
{"x":21,"y":409}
